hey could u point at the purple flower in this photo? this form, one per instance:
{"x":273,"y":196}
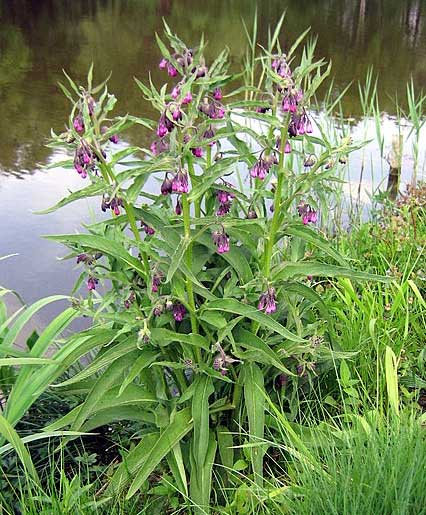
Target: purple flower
{"x":281,"y":380}
{"x":178,"y":208}
{"x":309,"y":161}
{"x":175,"y":92}
{"x":171,"y":70}
{"x":91,"y":104}
{"x":214,"y":109}
{"x":159,"y":146}
{"x":221,"y":240}
{"x":176,"y":113}
{"x":187,"y":99}
{"x":87,"y":259}
{"x":161,"y":129}
{"x":83,"y":159}
{"x":78,"y":124}
{"x":201,"y":71}
{"x":287,"y":147}
{"x":115,"y":205}
{"x":91,"y":283}
{"x":307,"y":213}
{"x":147,"y":228}
{"x":167,"y":186}
{"x":163,"y":64}
{"x":290,"y":101}
{"x":180,"y":182}
{"x":158,"y":310}
{"x":262,"y":166}
{"x":179,"y":312}
{"x":222,"y":360}
{"x":224,"y":208}
{"x":197,"y":151}
{"x":281,"y":67}
{"x":114,"y":138}
{"x":209,"y":134}
{"x":130,"y":299}
{"x":217,"y":94}
{"x":267,"y":301}
{"x":263,"y":109}
{"x":165,"y":125}
{"x":156,"y":281}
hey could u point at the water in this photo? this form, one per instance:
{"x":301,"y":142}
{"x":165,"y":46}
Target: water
{"x":38,"y":38}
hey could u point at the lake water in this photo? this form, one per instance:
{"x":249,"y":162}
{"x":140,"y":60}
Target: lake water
{"x":39,"y":38}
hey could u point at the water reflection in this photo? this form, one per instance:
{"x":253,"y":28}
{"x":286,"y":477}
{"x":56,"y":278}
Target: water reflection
{"x":39,"y":38}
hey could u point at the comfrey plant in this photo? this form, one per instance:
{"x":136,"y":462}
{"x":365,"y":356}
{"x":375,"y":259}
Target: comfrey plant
{"x":207,"y":306}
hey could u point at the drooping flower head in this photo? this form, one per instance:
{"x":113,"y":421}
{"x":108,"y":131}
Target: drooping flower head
{"x":180,"y":181}
{"x":147,"y":228}
{"x":212,"y":108}
{"x":91,"y":283}
{"x":221,"y":240}
{"x":307,"y":213}
{"x":263,"y":165}
{"x":78,"y":123}
{"x":84,"y":159}
{"x":156,"y":281}
{"x":178,"y":311}
{"x":167,"y":185}
{"x":217,"y":94}
{"x":159,"y":146}
{"x":281,"y":67}
{"x":222,"y":360}
{"x":209,"y":134}
{"x":268,"y":301}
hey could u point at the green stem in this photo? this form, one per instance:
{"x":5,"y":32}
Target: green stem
{"x":270,"y":239}
{"x":188,"y":260}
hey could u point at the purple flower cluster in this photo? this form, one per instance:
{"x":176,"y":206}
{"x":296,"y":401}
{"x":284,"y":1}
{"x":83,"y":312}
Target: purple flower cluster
{"x":307,"y":213}
{"x":263,"y":165}
{"x":268,"y":301}
{"x":222,"y":360}
{"x":281,"y":67}
{"x":149,"y":231}
{"x":91,"y":283}
{"x":209,"y":134}
{"x":177,"y":184}
{"x":84,"y":159}
{"x":212,"y":108}
{"x":159,"y":146}
{"x":156,"y":281}
{"x":78,"y":124}
{"x":221,"y":240}
{"x":114,"y":204}
{"x":225,"y":200}
{"x":178,"y":311}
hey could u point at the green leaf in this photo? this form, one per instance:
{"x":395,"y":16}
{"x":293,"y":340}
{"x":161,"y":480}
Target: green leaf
{"x":106,"y":380}
{"x":147,"y":455}
{"x":290,"y":269}
{"x":9,"y":434}
{"x":238,"y":308}
{"x":310,"y":236}
{"x":92,"y":190}
{"x":254,"y":395}
{"x":144,"y":360}
{"x":200,"y":416}
{"x":250,"y":341}
{"x":163,"y":337}
{"x":24,"y":361}
{"x":25,"y":316}
{"x":102,"y":244}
